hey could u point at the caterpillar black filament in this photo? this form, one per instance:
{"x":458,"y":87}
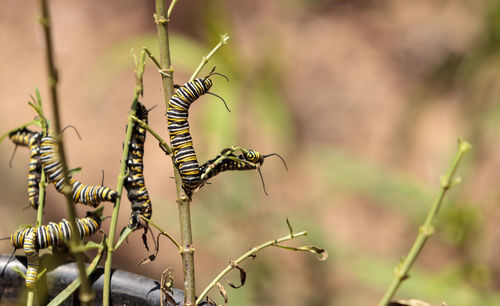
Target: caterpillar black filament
{"x":227,"y":160}
{"x":89,"y":195}
{"x":32,"y":239}
{"x":134,"y":183}
{"x":26,"y":137}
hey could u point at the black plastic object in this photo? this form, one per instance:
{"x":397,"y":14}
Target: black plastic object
{"x":126,"y":288}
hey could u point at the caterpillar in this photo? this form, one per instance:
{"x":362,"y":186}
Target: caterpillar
{"x":32,"y":239}
{"x":178,"y":128}
{"x":89,"y":195}
{"x":22,"y":136}
{"x":25,"y":137}
{"x":31,"y":252}
{"x":134,"y":183}
{"x":227,"y":160}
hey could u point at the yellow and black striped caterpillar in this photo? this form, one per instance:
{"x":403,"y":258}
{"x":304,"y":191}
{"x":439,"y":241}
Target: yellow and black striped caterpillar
{"x":30,"y":139}
{"x":89,"y":195}
{"x":228,"y":160}
{"x":134,"y":183}
{"x":178,"y":128}
{"x":32,"y":239}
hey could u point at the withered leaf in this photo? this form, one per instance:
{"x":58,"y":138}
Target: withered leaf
{"x":223,"y":292}
{"x":243,"y":277}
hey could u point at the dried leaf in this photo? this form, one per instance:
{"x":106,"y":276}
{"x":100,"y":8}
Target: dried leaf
{"x":146,"y":260}
{"x":322,"y":254}
{"x":243,"y":277}
{"x":167,"y":281}
{"x":145,"y":239}
{"x":223,"y":292}
{"x":210,"y":301}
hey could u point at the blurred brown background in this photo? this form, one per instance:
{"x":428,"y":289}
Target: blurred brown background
{"x":364,"y":99}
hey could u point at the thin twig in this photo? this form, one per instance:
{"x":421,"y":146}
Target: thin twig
{"x":240,"y":259}
{"x":139,"y":71}
{"x":85,"y":295}
{"x":171,"y":8}
{"x":164,"y":145}
{"x":427,"y":229}
{"x":150,"y":222}
{"x":224,"y":38}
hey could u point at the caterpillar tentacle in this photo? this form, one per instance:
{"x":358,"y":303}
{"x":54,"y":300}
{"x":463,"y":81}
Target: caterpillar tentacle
{"x":30,"y":139}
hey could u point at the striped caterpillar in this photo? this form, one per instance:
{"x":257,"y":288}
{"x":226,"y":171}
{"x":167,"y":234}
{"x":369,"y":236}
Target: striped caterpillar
{"x":228,"y":160}
{"x":88,"y":195}
{"x":178,"y":128}
{"x":32,"y":239}
{"x":134,"y":183}
{"x":30,"y":139}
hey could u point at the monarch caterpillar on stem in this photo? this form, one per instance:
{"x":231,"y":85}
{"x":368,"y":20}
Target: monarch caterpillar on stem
{"x":32,"y":239}
{"x":85,"y":194}
{"x":134,"y":183}
{"x":227,"y":160}
{"x":178,"y":128}
{"x":30,"y":139}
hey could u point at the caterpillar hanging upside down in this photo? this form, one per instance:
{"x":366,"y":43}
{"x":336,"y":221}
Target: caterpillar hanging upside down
{"x":228,"y":160}
{"x":178,"y":128}
{"x":32,"y":239}
{"x":88,"y":195}
{"x":27,"y":138}
{"x":134,"y":183}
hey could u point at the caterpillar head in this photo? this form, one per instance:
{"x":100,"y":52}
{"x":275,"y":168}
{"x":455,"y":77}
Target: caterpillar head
{"x":254,"y":157}
{"x":207,"y":83}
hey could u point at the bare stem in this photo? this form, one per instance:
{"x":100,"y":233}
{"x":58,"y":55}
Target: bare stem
{"x":183,"y":201}
{"x":248,"y":254}
{"x":171,"y":8}
{"x":163,"y":144}
{"x":427,"y":229}
{"x":150,"y":222}
{"x":139,"y":71}
{"x":224,"y":38}
{"x":85,"y":295}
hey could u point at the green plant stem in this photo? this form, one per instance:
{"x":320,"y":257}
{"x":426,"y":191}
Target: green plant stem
{"x":183,"y":201}
{"x":427,"y":229}
{"x":31,"y":297}
{"x":163,"y":144}
{"x":85,"y":295}
{"x":248,"y":254}
{"x":224,"y":38}
{"x":41,"y":197}
{"x":121,"y":178}
{"x":171,"y":8}
{"x":153,"y":58}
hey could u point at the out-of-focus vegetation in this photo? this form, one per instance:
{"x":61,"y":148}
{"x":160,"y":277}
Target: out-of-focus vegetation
{"x":364,"y":99}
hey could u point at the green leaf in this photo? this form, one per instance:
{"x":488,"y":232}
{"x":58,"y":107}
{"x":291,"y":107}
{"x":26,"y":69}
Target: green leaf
{"x":126,"y":231}
{"x":18,"y":271}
